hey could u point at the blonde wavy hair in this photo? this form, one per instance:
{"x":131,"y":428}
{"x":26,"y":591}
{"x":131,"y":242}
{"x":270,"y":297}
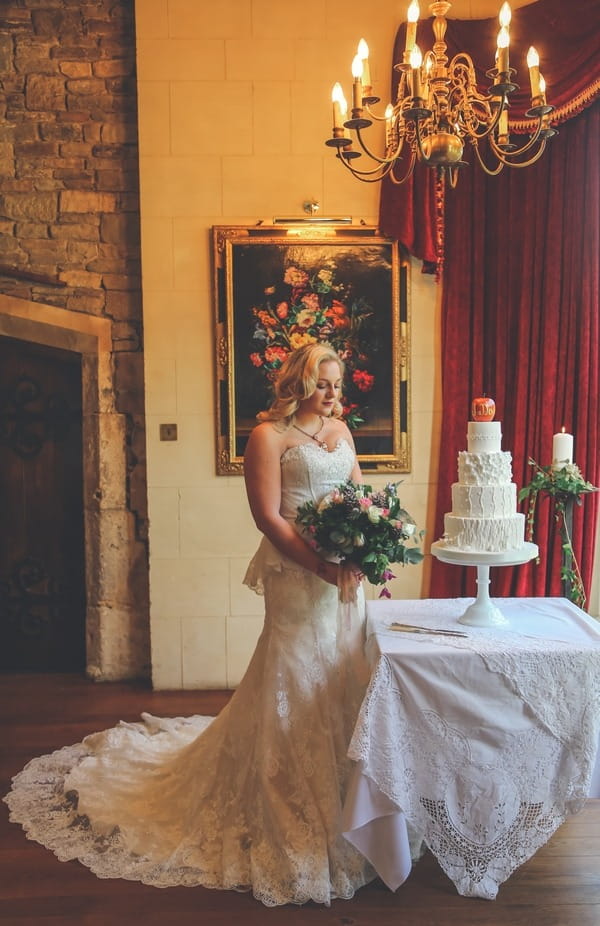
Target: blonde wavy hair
{"x":297,"y":380}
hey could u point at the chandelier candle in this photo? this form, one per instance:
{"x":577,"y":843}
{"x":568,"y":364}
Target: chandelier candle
{"x":503,"y":40}
{"x":503,"y":128}
{"x":337,"y":96}
{"x":357,"y":69}
{"x":533,"y":62}
{"x":416,"y":59}
{"x":411,"y":28}
{"x":363,"y":53}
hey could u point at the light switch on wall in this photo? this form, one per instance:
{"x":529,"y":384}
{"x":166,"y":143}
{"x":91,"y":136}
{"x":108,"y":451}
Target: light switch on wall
{"x":168,"y":431}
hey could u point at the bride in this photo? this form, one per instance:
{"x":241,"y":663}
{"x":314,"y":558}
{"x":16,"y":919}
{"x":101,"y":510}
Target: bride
{"x":252,"y":800}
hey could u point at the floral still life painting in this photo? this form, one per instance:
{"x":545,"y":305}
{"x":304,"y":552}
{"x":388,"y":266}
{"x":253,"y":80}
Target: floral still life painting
{"x":276,"y":293}
{"x":304,"y":309}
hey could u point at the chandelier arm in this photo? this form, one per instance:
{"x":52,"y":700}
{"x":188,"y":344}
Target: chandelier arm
{"x":507,"y":161}
{"x":375,"y":157}
{"x":461,"y":76}
{"x":411,"y":167}
{"x":510,"y":163}
{"x":373,"y":115}
{"x":490,"y":127}
{"x":491,"y":172}
{"x":394,"y":156}
{"x":453,"y":177}
{"x":419,"y":145}
{"x":526,"y":147}
{"x":368,"y":176}
{"x":463,"y":60}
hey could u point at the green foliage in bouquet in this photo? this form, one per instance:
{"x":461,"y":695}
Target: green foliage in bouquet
{"x":564,"y":485}
{"x":362,"y":526}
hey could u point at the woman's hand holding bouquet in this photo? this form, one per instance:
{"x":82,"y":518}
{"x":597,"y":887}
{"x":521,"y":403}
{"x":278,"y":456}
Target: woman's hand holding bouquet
{"x":364,"y":528}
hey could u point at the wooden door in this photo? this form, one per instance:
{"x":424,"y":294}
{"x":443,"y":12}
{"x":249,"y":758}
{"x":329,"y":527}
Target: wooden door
{"x":42,"y":557}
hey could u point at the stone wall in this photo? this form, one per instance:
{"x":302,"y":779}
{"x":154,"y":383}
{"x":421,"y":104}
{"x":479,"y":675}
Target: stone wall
{"x":69,"y":203}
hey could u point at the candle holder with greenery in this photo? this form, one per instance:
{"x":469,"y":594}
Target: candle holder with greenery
{"x":564,"y":485}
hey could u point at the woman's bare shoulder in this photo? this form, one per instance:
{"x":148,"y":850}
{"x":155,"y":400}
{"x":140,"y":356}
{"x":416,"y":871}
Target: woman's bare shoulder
{"x":266,"y":436}
{"x":339,"y":429}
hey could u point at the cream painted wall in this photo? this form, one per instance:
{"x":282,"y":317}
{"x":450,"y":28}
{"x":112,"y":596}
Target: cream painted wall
{"x":233,"y":110}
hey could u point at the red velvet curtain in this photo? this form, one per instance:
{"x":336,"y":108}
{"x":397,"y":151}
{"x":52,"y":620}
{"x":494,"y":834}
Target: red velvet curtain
{"x":520,"y":298}
{"x":521,"y":323}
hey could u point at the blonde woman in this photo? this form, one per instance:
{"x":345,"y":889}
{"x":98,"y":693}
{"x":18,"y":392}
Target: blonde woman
{"x":305,"y":415}
{"x":252,"y":800}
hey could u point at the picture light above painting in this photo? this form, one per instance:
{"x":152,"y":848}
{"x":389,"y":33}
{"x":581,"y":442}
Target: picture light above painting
{"x":278,"y":287}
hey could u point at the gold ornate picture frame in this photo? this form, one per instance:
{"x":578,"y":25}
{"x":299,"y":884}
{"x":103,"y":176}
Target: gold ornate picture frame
{"x":277,"y":287}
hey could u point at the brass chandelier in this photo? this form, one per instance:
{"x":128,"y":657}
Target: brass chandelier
{"x":439,"y":109}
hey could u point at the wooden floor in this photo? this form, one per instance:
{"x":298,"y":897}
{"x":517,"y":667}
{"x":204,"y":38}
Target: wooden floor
{"x":560,"y":886}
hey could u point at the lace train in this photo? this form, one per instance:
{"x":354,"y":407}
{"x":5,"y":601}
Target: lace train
{"x":248,"y":801}
{"x":252,"y":799}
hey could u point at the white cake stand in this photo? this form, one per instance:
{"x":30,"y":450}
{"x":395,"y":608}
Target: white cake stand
{"x":483,"y":612}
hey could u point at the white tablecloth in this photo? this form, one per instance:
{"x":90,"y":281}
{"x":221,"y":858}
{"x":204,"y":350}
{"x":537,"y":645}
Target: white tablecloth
{"x":476,"y":747}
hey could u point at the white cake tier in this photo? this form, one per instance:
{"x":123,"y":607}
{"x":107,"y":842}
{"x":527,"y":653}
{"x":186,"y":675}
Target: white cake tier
{"x":485,"y":469}
{"x":484,"y":534}
{"x":484,"y":436}
{"x":484,"y":501}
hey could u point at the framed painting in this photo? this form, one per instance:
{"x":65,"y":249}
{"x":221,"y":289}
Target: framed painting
{"x":278,"y":287}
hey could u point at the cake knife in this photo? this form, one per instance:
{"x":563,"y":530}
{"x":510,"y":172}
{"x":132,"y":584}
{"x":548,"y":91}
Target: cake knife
{"x":411,"y":628}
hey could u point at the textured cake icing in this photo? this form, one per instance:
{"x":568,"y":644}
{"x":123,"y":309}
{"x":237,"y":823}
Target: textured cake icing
{"x":479,"y":501}
{"x":477,"y":469}
{"x":484,"y":516}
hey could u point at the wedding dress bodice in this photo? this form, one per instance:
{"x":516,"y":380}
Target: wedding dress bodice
{"x":308,"y":473}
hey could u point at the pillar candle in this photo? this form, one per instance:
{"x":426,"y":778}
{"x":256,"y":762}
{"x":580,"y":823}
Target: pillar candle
{"x":562,"y":448}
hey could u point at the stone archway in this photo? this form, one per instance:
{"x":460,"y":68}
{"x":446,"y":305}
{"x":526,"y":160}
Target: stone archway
{"x":117,"y":620}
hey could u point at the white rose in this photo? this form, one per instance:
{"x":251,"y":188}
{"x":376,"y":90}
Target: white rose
{"x":325,"y":502}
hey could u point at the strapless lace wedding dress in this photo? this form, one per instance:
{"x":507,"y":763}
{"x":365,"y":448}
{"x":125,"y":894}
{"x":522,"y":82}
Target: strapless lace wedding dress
{"x":251,"y":800}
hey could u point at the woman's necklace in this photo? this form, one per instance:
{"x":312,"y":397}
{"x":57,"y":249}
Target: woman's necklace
{"x":315,"y":436}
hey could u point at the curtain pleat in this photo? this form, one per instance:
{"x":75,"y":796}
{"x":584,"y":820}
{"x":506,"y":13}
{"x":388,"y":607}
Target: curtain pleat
{"x":520,"y":304}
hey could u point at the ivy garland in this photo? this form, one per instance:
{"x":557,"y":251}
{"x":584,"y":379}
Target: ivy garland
{"x":563,"y":485}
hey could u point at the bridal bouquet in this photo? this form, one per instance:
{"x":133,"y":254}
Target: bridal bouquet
{"x":365,"y":527}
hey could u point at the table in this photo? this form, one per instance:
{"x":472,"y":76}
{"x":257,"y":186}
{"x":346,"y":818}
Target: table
{"x":477,"y":747}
